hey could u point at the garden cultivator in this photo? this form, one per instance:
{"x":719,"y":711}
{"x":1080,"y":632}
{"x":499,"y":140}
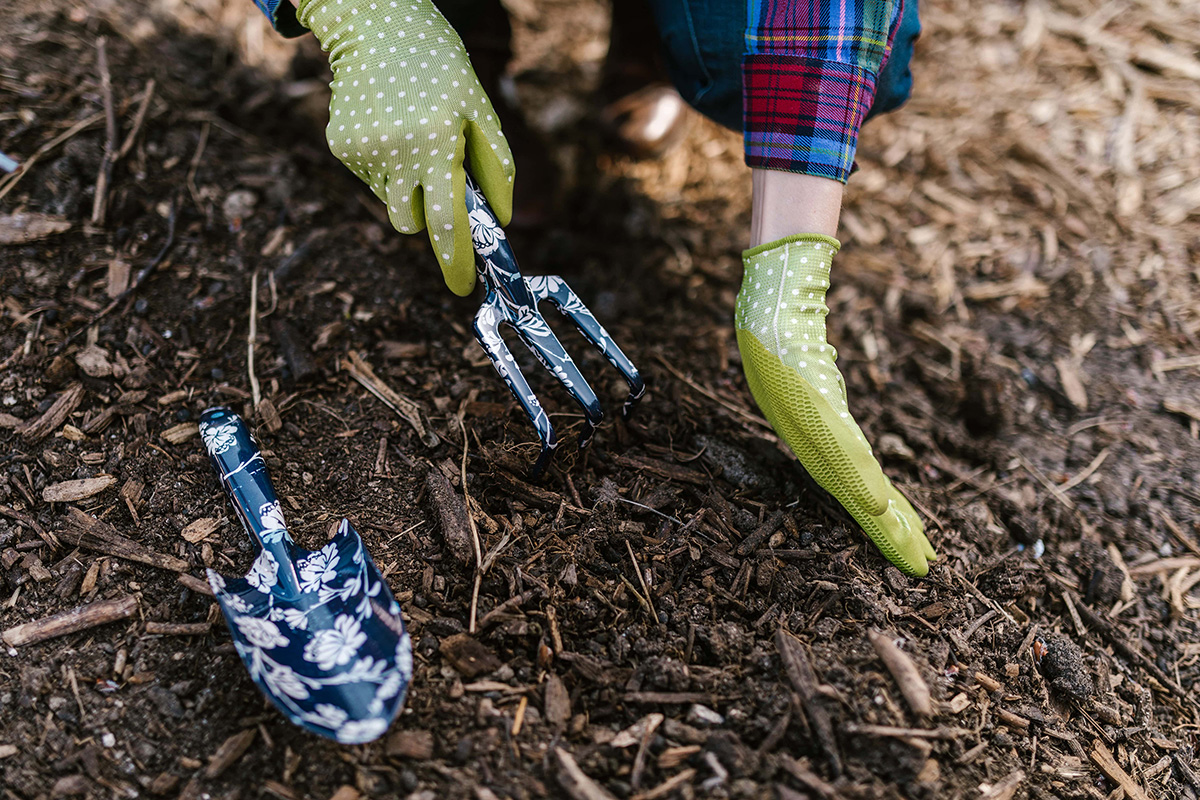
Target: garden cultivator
{"x":512,"y":299}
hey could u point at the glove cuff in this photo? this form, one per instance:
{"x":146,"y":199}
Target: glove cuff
{"x":810,"y":238}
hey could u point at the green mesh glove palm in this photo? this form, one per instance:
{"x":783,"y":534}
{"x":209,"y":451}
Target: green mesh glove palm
{"x":406,"y":107}
{"x":789,"y":365}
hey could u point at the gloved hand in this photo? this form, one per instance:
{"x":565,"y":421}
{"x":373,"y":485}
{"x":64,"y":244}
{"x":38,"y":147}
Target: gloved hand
{"x":406,"y":107}
{"x":780,"y":322}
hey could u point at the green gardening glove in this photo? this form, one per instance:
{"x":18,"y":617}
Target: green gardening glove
{"x":406,"y":107}
{"x":780,"y":322}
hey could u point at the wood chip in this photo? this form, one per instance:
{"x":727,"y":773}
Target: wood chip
{"x":573,"y":780}
{"x":269,"y":416}
{"x":55,"y":416}
{"x":77,"y":619}
{"x":469,"y":656}
{"x":556,"y":703}
{"x":804,"y":679}
{"x":229,"y":752}
{"x":8,"y":750}
{"x":417,"y":745}
{"x":25,"y":227}
{"x":637,"y":731}
{"x":1004,"y":788}
{"x":118,"y":278}
{"x":200,"y":530}
{"x":1109,"y":766}
{"x":94,"y":361}
{"x":180,"y":433}
{"x":451,"y":512}
{"x":88,"y":532}
{"x":195,"y":584}
{"x":70,"y":491}
{"x":904,"y":670}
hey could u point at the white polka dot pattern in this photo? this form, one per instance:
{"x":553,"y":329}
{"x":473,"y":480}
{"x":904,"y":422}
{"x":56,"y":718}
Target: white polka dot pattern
{"x":405,"y":109}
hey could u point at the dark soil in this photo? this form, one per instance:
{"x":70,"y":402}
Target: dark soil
{"x":1015,"y":331}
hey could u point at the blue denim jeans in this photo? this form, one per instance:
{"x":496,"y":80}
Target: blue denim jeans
{"x":704,"y":40}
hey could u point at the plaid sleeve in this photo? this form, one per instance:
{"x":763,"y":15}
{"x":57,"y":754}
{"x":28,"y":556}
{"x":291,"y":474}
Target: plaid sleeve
{"x":282,"y":15}
{"x":808,"y":79}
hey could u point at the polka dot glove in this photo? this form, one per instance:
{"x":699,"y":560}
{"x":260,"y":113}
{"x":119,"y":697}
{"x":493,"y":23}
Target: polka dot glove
{"x":780,"y":322}
{"x":406,"y":107}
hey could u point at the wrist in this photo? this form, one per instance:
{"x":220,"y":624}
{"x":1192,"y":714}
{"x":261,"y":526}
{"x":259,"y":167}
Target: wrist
{"x":787,"y":203}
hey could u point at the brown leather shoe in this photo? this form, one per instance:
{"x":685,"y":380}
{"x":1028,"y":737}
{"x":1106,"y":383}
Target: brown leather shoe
{"x":646,"y":123}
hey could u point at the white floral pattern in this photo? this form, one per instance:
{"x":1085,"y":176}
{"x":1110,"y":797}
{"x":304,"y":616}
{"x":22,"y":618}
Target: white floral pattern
{"x":319,"y":569}
{"x":330,"y":648}
{"x":218,"y":438}
{"x":485,"y":233}
{"x":264,"y":572}
{"x":270,"y":515}
{"x":261,"y":632}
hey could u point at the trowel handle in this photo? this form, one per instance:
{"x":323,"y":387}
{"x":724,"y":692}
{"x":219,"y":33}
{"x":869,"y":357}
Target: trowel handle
{"x":238,"y":461}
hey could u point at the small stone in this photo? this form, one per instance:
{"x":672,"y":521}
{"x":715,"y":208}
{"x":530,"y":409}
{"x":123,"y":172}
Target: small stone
{"x":108,"y":740}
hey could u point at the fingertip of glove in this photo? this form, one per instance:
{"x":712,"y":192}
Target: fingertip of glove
{"x":459,"y":284}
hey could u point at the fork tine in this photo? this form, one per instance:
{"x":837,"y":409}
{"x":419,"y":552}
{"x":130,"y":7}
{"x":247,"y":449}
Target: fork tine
{"x":538,"y":337}
{"x":558,"y":292}
{"x":487,"y":333}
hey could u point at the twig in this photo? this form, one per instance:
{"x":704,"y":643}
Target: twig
{"x":100,"y":200}
{"x":904,"y":733}
{"x":255,"y":390}
{"x":14,"y":178}
{"x":905,"y":671}
{"x":78,"y":619}
{"x":1044,"y":481}
{"x":1109,"y":766}
{"x":642,"y":581}
{"x":195,"y":165}
{"x":474,"y":530}
{"x":139,"y":119}
{"x":1086,"y":473}
{"x":407,"y":409}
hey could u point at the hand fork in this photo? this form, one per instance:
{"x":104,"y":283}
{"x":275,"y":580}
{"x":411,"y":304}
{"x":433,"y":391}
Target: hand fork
{"x":512,"y":299}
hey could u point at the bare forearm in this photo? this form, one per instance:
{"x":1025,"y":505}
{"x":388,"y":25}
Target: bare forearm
{"x":787,"y":203}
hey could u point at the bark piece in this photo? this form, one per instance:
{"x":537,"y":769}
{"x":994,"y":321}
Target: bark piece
{"x":1108,"y":765}
{"x":229,"y":752}
{"x":904,"y":670}
{"x":469,"y":656}
{"x":81,"y":489}
{"x":198,"y":530}
{"x":55,"y":416}
{"x":181,"y":432}
{"x":88,"y":532}
{"x":556,"y":702}
{"x":451,"y":511}
{"x":804,"y":679}
{"x":78,"y":619}
{"x":575,"y":782}
{"x":417,"y":745}
{"x":25,"y":227}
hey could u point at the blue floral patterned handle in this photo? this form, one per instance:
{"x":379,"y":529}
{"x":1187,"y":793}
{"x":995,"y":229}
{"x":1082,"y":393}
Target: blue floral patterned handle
{"x":243,"y":472}
{"x":512,"y":299}
{"x":319,"y":631}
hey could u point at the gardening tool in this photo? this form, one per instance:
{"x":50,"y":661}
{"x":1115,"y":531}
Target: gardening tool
{"x":512,"y":299}
{"x":319,"y":630}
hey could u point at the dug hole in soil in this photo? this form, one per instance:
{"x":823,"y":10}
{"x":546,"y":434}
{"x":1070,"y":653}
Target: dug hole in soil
{"x":677,"y":612}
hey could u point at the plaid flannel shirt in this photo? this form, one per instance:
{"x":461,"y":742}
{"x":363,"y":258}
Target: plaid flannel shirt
{"x":808,"y":79}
